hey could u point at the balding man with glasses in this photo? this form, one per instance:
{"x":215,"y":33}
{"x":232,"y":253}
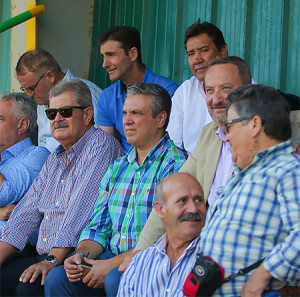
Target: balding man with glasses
{"x":62,"y":197}
{"x":37,"y":72}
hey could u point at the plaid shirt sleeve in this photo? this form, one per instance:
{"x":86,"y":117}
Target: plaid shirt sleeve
{"x":284,"y":260}
{"x":99,"y":228}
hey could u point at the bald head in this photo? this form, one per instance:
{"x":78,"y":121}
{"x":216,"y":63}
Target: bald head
{"x":180,"y":204}
{"x":175,"y":181}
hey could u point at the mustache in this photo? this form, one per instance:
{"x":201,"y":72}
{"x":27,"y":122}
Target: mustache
{"x":60,"y":124}
{"x":191,"y":217}
{"x":219,"y":105}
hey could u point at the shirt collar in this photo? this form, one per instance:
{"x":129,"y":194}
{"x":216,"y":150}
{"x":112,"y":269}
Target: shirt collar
{"x":162,"y":244}
{"x":220,"y":133}
{"x":271,"y":152}
{"x":153,"y":154}
{"x":17,"y":148}
{"x":79,"y":145}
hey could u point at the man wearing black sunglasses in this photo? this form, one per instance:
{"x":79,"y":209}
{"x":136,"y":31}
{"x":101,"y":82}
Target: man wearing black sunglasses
{"x":61,"y":199}
{"x":37,"y":72}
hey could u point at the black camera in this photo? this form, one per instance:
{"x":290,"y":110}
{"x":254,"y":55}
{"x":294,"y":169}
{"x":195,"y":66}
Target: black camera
{"x":206,"y":276}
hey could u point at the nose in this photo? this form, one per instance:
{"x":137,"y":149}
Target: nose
{"x":217,"y":96}
{"x":191,"y":207}
{"x":127,"y":119}
{"x":105,"y":63}
{"x":198,"y":57}
{"x":58,"y":117}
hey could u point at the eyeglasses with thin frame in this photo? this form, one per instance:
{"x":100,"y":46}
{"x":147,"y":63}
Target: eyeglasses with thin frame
{"x":228,"y":123}
{"x":65,"y":111}
{"x":31,"y":89}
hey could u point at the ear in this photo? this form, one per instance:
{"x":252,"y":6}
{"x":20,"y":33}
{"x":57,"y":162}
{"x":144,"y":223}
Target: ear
{"x":23,"y":125}
{"x":256,"y":126}
{"x":133,"y":54}
{"x":87,"y":115}
{"x":50,"y":76}
{"x":224,"y":51}
{"x":159,"y":210}
{"x":161,"y":119}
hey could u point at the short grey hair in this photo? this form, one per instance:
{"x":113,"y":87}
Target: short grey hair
{"x":24,"y":107}
{"x":160,"y":98}
{"x":82,"y":92}
{"x":242,"y":66}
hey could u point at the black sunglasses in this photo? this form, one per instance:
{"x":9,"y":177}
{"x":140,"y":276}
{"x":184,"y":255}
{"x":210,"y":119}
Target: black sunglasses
{"x":65,"y":111}
{"x":31,"y":89}
{"x":228,"y":123}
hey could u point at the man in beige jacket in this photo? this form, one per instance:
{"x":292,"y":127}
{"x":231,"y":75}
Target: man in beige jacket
{"x":210,"y":162}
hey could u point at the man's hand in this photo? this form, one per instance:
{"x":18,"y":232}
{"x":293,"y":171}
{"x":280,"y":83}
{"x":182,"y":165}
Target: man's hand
{"x":257,"y":283}
{"x":6,"y":211}
{"x":126,"y":261}
{"x":74,"y":272}
{"x":95,"y":278}
{"x":33,"y":271}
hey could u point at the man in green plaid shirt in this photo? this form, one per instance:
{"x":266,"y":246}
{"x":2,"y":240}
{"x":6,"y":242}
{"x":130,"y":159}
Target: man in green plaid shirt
{"x":126,"y":197}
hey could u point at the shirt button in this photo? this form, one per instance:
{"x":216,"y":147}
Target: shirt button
{"x":56,"y":203}
{"x":62,"y":181}
{"x":128,"y":216}
{"x":44,"y":239}
{"x":46,"y":217}
{"x":123,"y":237}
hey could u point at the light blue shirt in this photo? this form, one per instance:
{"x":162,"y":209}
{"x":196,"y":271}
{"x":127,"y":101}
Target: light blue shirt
{"x":20,"y":164}
{"x":45,"y":137}
{"x":148,"y":274}
{"x":255,"y":216}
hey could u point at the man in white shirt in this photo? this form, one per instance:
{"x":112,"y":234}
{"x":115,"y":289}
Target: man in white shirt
{"x":203,"y":42}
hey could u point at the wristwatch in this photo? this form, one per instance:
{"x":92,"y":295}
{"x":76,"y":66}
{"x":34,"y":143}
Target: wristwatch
{"x":52,"y":259}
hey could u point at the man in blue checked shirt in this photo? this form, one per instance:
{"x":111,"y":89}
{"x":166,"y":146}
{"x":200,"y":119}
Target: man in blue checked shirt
{"x":60,"y":201}
{"x":257,"y":214}
{"x":126,"y":197}
{"x":162,"y":269}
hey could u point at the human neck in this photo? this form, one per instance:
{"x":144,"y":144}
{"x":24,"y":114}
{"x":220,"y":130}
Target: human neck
{"x":142,"y":152}
{"x":175,"y":248}
{"x":136,"y":75}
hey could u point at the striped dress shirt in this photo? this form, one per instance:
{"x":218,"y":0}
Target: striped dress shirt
{"x":255,"y":216}
{"x":62,"y":197}
{"x":127,"y":196}
{"x":148,"y":274}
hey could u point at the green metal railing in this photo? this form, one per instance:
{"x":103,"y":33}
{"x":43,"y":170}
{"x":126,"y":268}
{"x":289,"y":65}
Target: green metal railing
{"x":22,"y":17}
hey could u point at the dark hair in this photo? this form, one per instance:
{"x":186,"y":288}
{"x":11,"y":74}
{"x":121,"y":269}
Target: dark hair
{"x":268,"y":104}
{"x":24,"y":106}
{"x":82,"y":92}
{"x":129,"y":37}
{"x":243,"y":68}
{"x":37,"y":61}
{"x":205,"y":28}
{"x":160,"y":98}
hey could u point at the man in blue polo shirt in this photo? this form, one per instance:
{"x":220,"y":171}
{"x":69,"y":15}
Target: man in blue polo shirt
{"x":120,"y":48}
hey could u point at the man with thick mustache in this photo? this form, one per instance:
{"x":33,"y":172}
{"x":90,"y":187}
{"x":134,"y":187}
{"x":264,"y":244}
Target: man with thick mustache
{"x":162,"y":269}
{"x":62,"y":197}
{"x":127,"y":196}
